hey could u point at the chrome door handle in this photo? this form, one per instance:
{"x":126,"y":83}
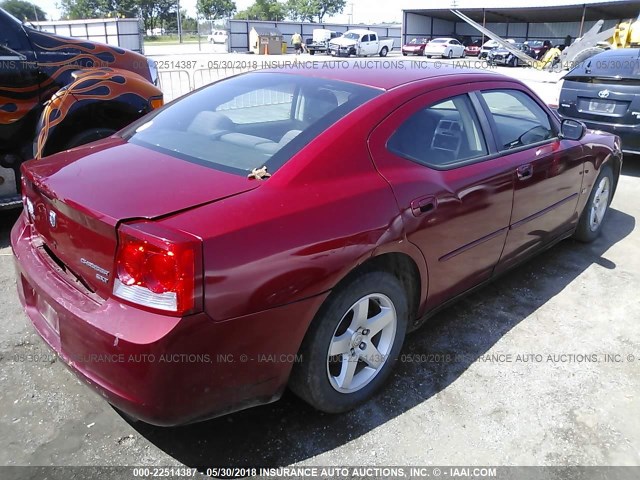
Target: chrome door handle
{"x":524,"y":171}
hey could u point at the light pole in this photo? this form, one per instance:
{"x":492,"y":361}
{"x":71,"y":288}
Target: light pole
{"x":179,"y":22}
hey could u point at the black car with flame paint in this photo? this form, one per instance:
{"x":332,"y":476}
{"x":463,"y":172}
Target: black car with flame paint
{"x":57,"y":93}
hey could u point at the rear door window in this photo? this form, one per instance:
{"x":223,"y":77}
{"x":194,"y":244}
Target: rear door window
{"x":441,"y":135}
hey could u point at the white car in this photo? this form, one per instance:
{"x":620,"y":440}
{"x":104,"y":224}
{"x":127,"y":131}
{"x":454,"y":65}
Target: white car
{"x":445,"y":48}
{"x":490,"y":45}
{"x":218,"y":36}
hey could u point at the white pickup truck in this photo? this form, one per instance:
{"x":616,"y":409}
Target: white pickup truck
{"x":361,"y":43}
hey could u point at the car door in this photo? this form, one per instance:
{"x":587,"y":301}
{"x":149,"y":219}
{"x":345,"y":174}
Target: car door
{"x":372,"y":49}
{"x":454,"y":196}
{"x":19,"y":86}
{"x":547,"y":170}
{"x":364,"y":42}
{"x":457,"y":47}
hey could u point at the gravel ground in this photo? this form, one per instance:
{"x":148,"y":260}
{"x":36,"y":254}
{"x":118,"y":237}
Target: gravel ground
{"x":515,"y":374}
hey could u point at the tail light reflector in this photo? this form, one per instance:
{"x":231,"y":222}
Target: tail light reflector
{"x":158,"y":269}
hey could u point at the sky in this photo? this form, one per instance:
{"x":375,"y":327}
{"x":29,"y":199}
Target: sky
{"x":366,"y":11}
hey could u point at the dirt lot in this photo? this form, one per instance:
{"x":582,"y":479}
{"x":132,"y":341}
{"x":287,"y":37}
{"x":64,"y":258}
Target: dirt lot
{"x":560,"y":402}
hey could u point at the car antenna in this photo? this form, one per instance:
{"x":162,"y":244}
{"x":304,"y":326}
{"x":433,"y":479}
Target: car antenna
{"x":259,"y":174}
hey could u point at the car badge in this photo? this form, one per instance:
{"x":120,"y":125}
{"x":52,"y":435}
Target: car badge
{"x":603,"y":93}
{"x":52,"y":219}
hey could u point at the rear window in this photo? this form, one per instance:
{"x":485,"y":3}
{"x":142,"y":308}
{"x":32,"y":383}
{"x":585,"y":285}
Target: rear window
{"x":609,"y":66}
{"x":248,"y":121}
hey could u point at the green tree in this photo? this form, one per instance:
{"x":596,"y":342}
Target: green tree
{"x":77,"y":9}
{"x":214,"y":9}
{"x":154,"y":12}
{"x":310,"y":10}
{"x":264,"y":10}
{"x":23,"y":10}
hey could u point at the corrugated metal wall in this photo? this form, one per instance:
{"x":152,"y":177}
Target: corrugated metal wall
{"x":420,"y":25}
{"x":120,"y":32}
{"x":239,"y":31}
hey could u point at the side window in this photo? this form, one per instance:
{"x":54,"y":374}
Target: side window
{"x":441,"y":135}
{"x":365,"y":38}
{"x":11,"y":36}
{"x":373,"y":37}
{"x":519,"y":119}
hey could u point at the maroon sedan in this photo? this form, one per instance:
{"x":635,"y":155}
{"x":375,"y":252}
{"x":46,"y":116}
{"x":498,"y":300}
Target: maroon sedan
{"x":472,"y":50}
{"x":285,"y":228}
{"x":415,"y":46}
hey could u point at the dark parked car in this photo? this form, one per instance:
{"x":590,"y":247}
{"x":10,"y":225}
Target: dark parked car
{"x":535,"y":46}
{"x":502,"y":56}
{"x":309,"y":219}
{"x":604,"y":93}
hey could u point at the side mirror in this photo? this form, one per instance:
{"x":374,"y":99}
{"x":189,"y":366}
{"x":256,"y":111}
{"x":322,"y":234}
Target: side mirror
{"x":572,"y":129}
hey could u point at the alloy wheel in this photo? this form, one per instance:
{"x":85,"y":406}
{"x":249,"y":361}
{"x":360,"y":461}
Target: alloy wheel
{"x":361,"y":343}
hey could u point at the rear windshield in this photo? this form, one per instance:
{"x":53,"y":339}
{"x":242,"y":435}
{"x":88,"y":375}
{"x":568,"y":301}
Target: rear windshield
{"x":613,"y":65}
{"x":248,"y":121}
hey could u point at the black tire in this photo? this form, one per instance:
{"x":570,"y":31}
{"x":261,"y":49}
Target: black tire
{"x":384,"y":51}
{"x":312,"y":52}
{"x":311,"y":378}
{"x":428,"y":56}
{"x":404,"y":54}
{"x":88,"y":136}
{"x":450,"y":54}
{"x":464,"y":54}
{"x":586,"y":231}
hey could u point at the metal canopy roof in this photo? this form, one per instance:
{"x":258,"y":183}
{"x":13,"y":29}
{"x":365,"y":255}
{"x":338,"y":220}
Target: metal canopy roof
{"x":567,"y":13}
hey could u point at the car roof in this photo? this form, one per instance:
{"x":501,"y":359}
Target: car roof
{"x":388,"y":77}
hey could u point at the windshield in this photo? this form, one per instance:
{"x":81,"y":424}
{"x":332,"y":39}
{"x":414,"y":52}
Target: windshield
{"x":11,"y":17}
{"x":351,"y":36}
{"x":248,"y":121}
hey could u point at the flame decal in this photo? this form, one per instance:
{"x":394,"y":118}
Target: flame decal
{"x":58,"y":58}
{"x":89,"y":86}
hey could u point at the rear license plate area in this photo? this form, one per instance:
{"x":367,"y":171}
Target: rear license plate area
{"x":601,"y":107}
{"x":48,"y":313}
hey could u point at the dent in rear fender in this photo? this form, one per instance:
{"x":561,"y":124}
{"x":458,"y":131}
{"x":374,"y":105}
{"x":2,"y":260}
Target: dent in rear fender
{"x":89,"y":87}
{"x":275,"y":246}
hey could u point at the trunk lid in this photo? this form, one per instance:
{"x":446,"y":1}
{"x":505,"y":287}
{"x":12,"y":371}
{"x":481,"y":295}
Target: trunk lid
{"x":79,"y":197}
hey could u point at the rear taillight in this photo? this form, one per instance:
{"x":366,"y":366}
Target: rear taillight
{"x":158,"y":268}
{"x":26,"y":201}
